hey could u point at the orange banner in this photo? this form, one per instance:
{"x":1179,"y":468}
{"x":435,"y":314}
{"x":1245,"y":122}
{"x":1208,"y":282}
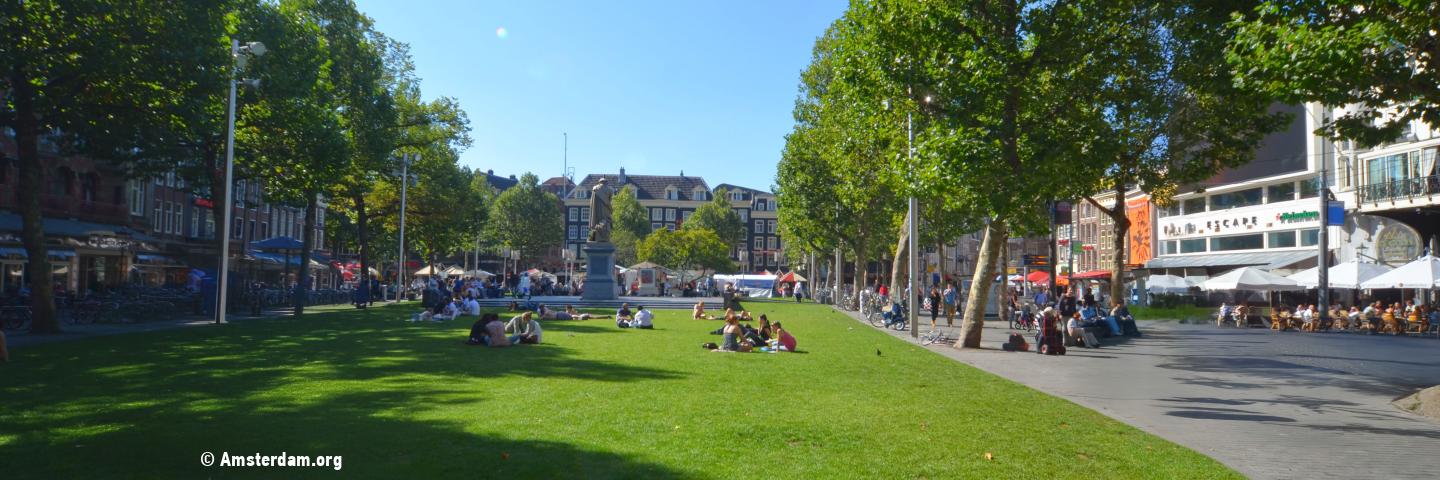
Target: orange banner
{"x":1140,"y":249}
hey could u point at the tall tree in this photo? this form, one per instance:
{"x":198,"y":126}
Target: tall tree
{"x":110,"y":80}
{"x":1379,"y":55}
{"x":527,"y":218}
{"x":1008,"y":94}
{"x":718,"y":216}
{"x":631,"y":223}
{"x":1173,"y":115}
{"x":686,"y":249}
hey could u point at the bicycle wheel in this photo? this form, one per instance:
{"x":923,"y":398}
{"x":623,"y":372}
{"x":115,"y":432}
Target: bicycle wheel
{"x":931,"y":337}
{"x":877,"y":319}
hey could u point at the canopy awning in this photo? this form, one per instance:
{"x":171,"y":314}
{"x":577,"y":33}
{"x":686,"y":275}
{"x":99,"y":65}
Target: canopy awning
{"x":1091,"y":275}
{"x":791,"y":277}
{"x":1421,"y":273}
{"x":278,"y":243}
{"x":1038,"y":276}
{"x":1265,"y":260}
{"x":1348,"y":275}
{"x":1251,"y":278}
{"x":1169,"y":284}
{"x":20,"y":252}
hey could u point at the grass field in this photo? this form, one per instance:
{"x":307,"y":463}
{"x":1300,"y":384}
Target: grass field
{"x":1189,"y":313}
{"x":401,"y":400}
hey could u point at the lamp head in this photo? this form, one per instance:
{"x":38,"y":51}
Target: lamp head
{"x":256,"y":48}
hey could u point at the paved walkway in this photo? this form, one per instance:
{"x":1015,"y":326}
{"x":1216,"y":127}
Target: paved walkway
{"x":1270,"y":405}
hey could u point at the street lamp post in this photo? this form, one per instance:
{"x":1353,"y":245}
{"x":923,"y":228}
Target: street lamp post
{"x":404,"y":188}
{"x":914,"y":311}
{"x":237,"y":53}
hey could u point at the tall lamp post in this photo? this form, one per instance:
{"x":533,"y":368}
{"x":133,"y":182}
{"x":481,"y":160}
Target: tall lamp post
{"x":405,"y":160}
{"x":912,"y":313}
{"x":239,"y":54}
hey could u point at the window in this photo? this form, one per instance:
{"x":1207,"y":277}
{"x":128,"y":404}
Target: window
{"x":698,"y":195}
{"x":672,"y":194}
{"x":744,"y":214}
{"x":1192,"y":246}
{"x":654,"y":226}
{"x":1237,"y":242}
{"x":759,"y":226}
{"x":264,"y":229}
{"x":157,"y":221}
{"x":574,"y":214}
{"x":669,"y":214}
{"x":1242,"y":198}
{"x":574,"y":232}
{"x":774,"y":243}
{"x":1280,"y":193}
{"x":1310,"y":188}
{"x":759,"y":243}
{"x":771,"y":228}
{"x":178,"y":211}
{"x":1281,"y":239}
{"x":761,"y":205}
{"x":585,"y":214}
{"x":582,"y":194}
{"x":1194,"y":205}
{"x":252,"y":230}
{"x":657,"y":214}
{"x":137,"y":197}
{"x":1170,"y":248}
{"x":194,"y":223}
{"x":239,"y":193}
{"x":1172,"y":210}
{"x":209,"y":225}
{"x":685,"y":215}
{"x":237,"y":229}
{"x":736,"y":196}
{"x":670,"y":227}
{"x":1309,"y":238}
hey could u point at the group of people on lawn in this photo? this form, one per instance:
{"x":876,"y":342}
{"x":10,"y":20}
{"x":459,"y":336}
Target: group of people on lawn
{"x":521,"y":329}
{"x":742,"y":337}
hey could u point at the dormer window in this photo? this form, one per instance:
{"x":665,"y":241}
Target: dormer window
{"x":698,"y":195}
{"x":762,"y":205}
{"x":672,"y":193}
{"x":582,"y":193}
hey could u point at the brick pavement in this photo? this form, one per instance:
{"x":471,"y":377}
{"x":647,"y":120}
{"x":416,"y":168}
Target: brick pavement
{"x":1270,"y":405}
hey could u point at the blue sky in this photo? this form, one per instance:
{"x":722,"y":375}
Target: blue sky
{"x":657,"y":87}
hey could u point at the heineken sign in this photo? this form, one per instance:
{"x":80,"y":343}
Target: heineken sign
{"x":1292,"y":217}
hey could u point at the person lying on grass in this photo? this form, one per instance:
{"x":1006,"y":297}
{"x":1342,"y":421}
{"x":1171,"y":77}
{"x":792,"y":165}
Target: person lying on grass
{"x":525,"y":328}
{"x":643,"y":319}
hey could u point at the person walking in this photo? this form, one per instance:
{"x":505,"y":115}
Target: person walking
{"x":800,"y":293}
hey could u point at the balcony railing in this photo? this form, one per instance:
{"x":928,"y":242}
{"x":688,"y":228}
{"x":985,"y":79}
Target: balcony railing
{"x":1399,"y":189}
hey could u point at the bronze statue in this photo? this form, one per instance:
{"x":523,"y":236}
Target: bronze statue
{"x":600,"y":212}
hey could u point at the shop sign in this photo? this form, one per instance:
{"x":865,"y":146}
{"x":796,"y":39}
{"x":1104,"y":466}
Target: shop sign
{"x":1397,"y":244}
{"x":9,"y":238}
{"x":204,"y":202}
{"x":1292,"y":217}
{"x":107,"y":243}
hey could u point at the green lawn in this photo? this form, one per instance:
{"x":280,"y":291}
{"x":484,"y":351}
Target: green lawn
{"x":1188,"y":313}
{"x":399,"y":400}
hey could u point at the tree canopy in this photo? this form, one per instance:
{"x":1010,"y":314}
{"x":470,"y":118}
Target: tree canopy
{"x":527,"y":218}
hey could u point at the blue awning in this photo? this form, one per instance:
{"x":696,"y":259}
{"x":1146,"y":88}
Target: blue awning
{"x":20,"y":252}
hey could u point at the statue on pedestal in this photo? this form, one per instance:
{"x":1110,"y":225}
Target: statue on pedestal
{"x":600,"y":212}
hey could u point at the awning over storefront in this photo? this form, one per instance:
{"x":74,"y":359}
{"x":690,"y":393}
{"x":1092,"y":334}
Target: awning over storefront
{"x":1265,"y":260}
{"x":20,"y":252}
{"x":1092,"y":275}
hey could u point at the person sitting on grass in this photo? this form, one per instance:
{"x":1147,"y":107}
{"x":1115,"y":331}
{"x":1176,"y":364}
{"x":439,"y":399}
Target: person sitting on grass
{"x":731,"y":334}
{"x":787,"y":341}
{"x":643,"y":318}
{"x":624,"y":313}
{"x":525,"y":328}
{"x":482,"y":331}
{"x":472,"y":306}
{"x":700,"y":312}
{"x":451,"y":310}
{"x":513,"y":307}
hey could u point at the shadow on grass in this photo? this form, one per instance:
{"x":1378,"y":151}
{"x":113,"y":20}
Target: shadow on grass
{"x":149,"y":405}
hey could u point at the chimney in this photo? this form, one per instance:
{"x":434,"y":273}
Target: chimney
{"x":490,"y":172}
{"x":682,"y":174}
{"x":623,"y":178}
{"x":512,"y":176}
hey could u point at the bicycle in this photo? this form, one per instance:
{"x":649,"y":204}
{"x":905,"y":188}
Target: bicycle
{"x":15,"y":318}
{"x":1022,"y":320}
{"x":934,"y":336}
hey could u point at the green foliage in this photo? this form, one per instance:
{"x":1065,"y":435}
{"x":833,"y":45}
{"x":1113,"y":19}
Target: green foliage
{"x":1377,"y":55}
{"x":686,"y":249}
{"x":718,"y":216}
{"x":527,"y":218}
{"x":627,"y":215}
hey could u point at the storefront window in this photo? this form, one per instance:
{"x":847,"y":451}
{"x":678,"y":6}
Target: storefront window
{"x":1310,"y":188}
{"x":1192,"y":246}
{"x":1238,"y":242}
{"x":1280,"y":193}
{"x":1243,"y":198}
{"x":1170,"y":248}
{"x":1194,"y":205}
{"x":1309,"y":238}
{"x":1282,"y":239}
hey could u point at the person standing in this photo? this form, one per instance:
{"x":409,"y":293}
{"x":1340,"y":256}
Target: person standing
{"x":934,"y":305}
{"x":799,"y":293}
{"x":949,"y":298}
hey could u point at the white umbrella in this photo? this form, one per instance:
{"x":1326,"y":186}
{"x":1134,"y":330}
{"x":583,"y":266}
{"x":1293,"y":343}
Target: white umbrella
{"x":1348,"y":275}
{"x":1251,"y":278}
{"x":1169,"y":283}
{"x":1421,"y":273}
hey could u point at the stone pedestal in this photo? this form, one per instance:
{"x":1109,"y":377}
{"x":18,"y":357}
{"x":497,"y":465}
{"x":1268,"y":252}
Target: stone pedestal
{"x":600,"y":272}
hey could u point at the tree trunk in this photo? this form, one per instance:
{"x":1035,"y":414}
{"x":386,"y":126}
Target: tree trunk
{"x":362,"y":239}
{"x":859,"y":279}
{"x":940,"y":260}
{"x":1122,"y":229}
{"x":32,"y":179}
{"x":973,"y":322}
{"x":1002,"y":294}
{"x":898,"y":265}
{"x":838,"y":274}
{"x":302,"y":285}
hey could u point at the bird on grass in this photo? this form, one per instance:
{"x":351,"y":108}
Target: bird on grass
{"x":877,"y":352}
